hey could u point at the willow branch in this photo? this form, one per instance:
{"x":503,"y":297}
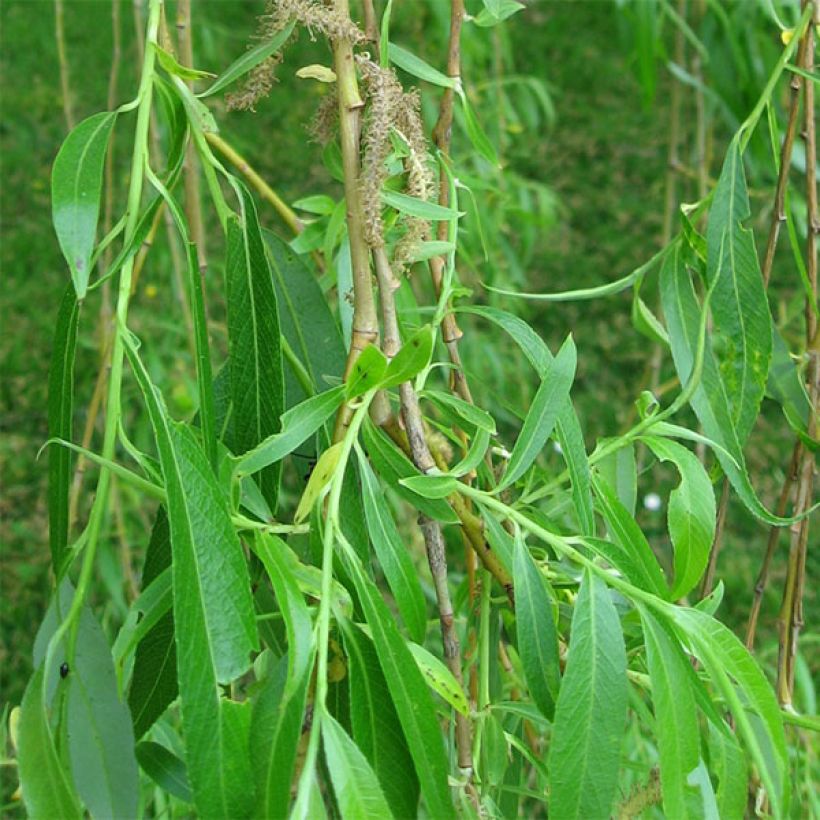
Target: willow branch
{"x":62,"y":58}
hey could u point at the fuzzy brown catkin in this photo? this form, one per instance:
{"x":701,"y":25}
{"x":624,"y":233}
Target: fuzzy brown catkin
{"x":313,"y":16}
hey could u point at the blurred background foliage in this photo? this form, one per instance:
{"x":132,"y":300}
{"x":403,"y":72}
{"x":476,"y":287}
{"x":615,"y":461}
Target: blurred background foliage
{"x":576,"y":98}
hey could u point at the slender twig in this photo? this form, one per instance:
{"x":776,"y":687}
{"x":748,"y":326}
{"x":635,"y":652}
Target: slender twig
{"x":62,"y":58}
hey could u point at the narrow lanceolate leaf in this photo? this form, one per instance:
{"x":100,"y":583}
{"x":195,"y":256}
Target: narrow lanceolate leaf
{"x":276,"y":726}
{"x":165,"y":769}
{"x":591,"y":710}
{"x":213,"y":611}
{"x":367,"y":372}
{"x":676,"y":724}
{"x":691,"y":514}
{"x":47,"y":788}
{"x":625,"y":532}
{"x":60,"y":415}
{"x":411,"y":699}
{"x":298,"y":424}
{"x":729,"y":763}
{"x":743,"y":685}
{"x":355,"y":784}
{"x":418,"y":68}
{"x":393,"y":554}
{"x":257,"y":381}
{"x":537,"y":639}
{"x":375,"y":725}
{"x":413,"y":357}
{"x":542,"y":415}
{"x":76,"y":185}
{"x":739,"y":305}
{"x":709,"y":401}
{"x":786,"y":387}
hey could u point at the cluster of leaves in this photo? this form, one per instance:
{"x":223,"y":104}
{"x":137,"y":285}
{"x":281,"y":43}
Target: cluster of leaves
{"x":261,"y":672}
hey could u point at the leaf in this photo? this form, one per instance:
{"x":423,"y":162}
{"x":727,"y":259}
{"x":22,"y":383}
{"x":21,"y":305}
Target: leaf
{"x":431,"y":486}
{"x":496,"y":11}
{"x":467,"y":412}
{"x":419,"y":208}
{"x":543,"y":413}
{"x":173,"y":66}
{"x":165,"y":769}
{"x":276,"y":726}
{"x":60,"y":424}
{"x":691,"y":514}
{"x":535,"y":627}
{"x":306,"y":320}
{"x":413,"y":357}
{"x":355,"y":785}
{"x":248,"y":61}
{"x":393,"y":554}
{"x":430,"y":249}
{"x":709,"y":401}
{"x":476,"y":135}
{"x":298,"y":424}
{"x":47,"y":789}
{"x":591,"y":710}
{"x":619,"y":470}
{"x":440,"y":679}
{"x":739,"y":305}
{"x":753,"y":703}
{"x":628,"y":535}
{"x":411,"y":700}
{"x":392,"y":465}
{"x":76,"y":186}
{"x":154,"y":679}
{"x":256,"y":373}
{"x":418,"y":68}
{"x":375,"y":725}
{"x":368,"y":372}
{"x":213,"y":610}
{"x":786,"y":386}
{"x":319,"y":479}
{"x":676,"y":723}
{"x":729,"y":763}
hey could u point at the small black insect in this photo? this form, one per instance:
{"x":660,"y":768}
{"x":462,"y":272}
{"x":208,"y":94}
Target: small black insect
{"x":64,"y":670}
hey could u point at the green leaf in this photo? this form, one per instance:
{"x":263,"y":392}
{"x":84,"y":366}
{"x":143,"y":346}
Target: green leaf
{"x":535,"y":627}
{"x":542,"y":415}
{"x":155,"y":601}
{"x":257,"y":380}
{"x":165,"y":769}
{"x":60,"y":425}
{"x":305,"y":318}
{"x":430,"y":249}
{"x":744,"y":687}
{"x":418,"y":68}
{"x":47,"y":789}
{"x":297,"y":425}
{"x":431,"y":486}
{"x":710,"y":402}
{"x":691,"y":515}
{"x":413,"y":357}
{"x":474,"y":456}
{"x":786,"y":387}
{"x":729,"y":764}
{"x":419,"y":208}
{"x":496,"y":11}
{"x":355,"y":784}
{"x":154,"y":679}
{"x":173,"y":66}
{"x":213,"y":610}
{"x":392,"y":465}
{"x":591,"y":711}
{"x":276,"y":726}
{"x":249,"y":60}
{"x":468,"y":412}
{"x":628,"y":535}
{"x":375,"y":725}
{"x":440,"y":679}
{"x":619,"y":470}
{"x":394,"y":556}
{"x":740,"y":309}
{"x":676,"y":723}
{"x":476,"y":135}
{"x":76,"y":185}
{"x":411,"y":700}
{"x":319,"y":479}
{"x":367,"y":373}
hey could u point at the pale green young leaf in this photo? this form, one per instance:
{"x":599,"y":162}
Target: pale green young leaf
{"x":419,"y":208}
{"x":256,"y":370}
{"x":165,"y":769}
{"x":319,"y":479}
{"x":47,"y":788}
{"x":357,"y":789}
{"x":248,"y":61}
{"x":430,"y":249}
{"x":76,"y":185}
{"x":732,"y":770}
{"x":676,"y":723}
{"x":542,"y":415}
{"x":474,"y":456}
{"x":535,"y":626}
{"x":691,"y":515}
{"x":590,"y":714}
{"x":480,"y":141}
{"x":173,"y":66}
{"x":619,"y":470}
{"x":411,"y":699}
{"x":60,"y":425}
{"x":418,"y":68}
{"x":466,"y":411}
{"x":375,"y":725}
{"x":393,"y":554}
{"x":431,"y":486}
{"x":413,"y":357}
{"x":367,"y":373}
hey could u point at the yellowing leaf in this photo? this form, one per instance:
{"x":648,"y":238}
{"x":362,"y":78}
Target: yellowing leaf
{"x":317,"y":72}
{"x":319,"y":478}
